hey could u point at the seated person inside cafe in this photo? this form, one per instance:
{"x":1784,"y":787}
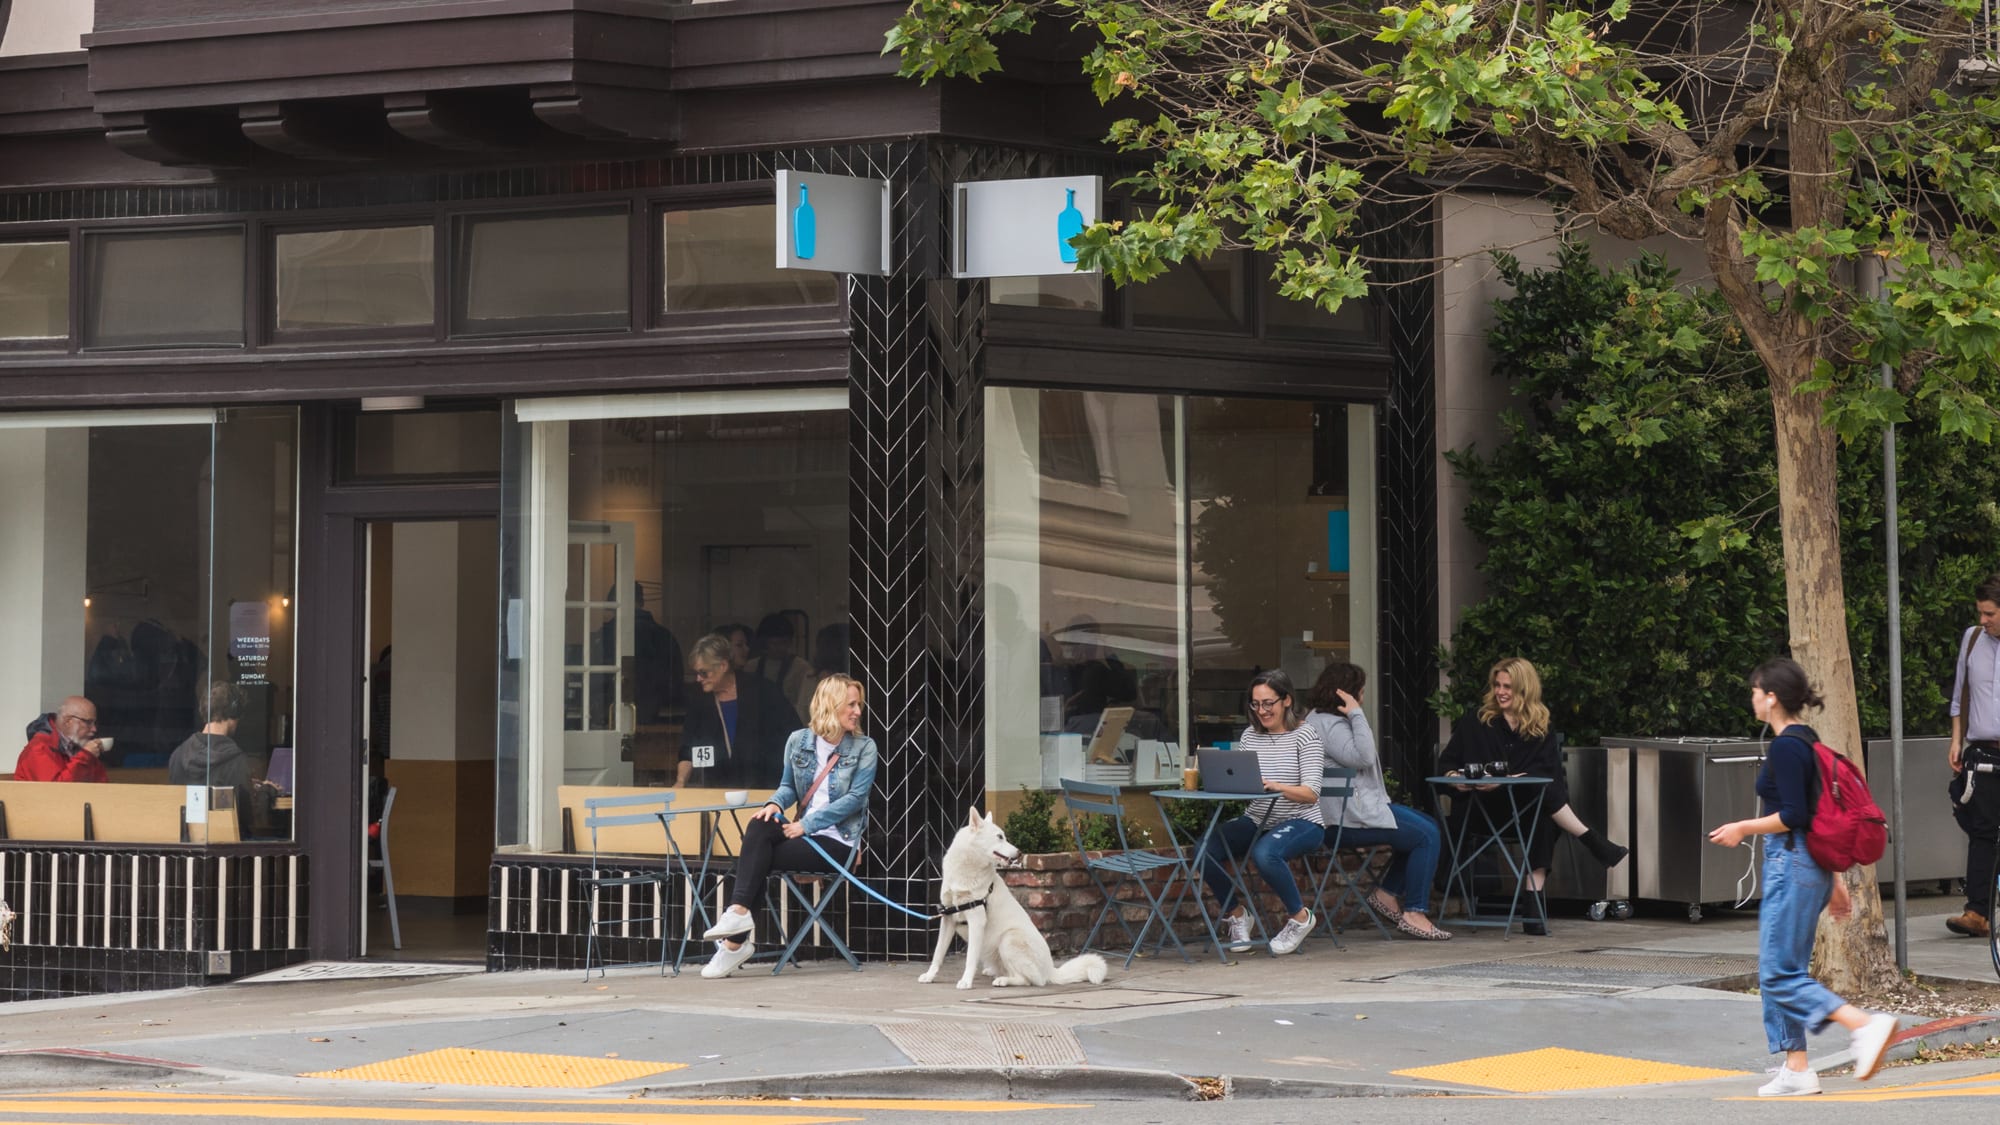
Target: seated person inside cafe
{"x":63,"y":745}
{"x":829,"y":769}
{"x":211,"y":757}
{"x":1278,"y":830}
{"x":1367,"y":819}
{"x":734,"y":733}
{"x":1509,"y":736}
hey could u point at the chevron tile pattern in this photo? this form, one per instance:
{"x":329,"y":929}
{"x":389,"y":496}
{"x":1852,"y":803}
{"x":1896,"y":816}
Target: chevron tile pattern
{"x":1408,"y":489}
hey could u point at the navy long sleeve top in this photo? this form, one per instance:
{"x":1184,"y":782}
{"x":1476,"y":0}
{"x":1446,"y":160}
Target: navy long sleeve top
{"x":1786,"y":780}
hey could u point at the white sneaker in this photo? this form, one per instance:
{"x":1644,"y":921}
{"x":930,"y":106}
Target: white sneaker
{"x":729,"y":925}
{"x":1871,"y":1044}
{"x":1293,"y":935}
{"x":1239,"y":932}
{"x":1790,"y":1084}
{"x":726,"y":960}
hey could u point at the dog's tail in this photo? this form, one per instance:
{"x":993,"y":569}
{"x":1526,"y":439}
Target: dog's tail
{"x":1076,"y":970}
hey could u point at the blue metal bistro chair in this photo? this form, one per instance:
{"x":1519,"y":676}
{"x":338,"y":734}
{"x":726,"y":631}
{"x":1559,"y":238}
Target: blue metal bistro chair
{"x":1089,"y":798}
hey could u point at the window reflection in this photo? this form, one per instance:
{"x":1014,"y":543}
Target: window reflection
{"x":725,"y":258}
{"x":378,"y":278}
{"x":34,"y":290}
{"x":164,"y":289}
{"x":544,"y":273}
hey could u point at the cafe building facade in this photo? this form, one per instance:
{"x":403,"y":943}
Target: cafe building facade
{"x":421,"y":373}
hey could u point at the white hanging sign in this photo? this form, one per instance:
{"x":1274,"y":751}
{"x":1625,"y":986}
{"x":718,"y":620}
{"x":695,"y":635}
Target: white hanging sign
{"x":839,"y":224}
{"x":1021,"y":228}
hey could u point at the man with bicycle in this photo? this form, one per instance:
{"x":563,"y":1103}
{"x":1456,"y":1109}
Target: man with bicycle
{"x":1975,"y":757}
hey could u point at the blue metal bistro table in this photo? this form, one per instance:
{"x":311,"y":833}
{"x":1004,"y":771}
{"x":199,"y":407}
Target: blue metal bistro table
{"x":1508,"y":830}
{"x":1190,"y":868}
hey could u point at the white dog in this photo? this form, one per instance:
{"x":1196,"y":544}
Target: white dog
{"x":998,"y":933}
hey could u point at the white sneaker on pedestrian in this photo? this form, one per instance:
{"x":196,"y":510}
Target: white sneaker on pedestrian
{"x":726,"y":960}
{"x":1871,"y":1044}
{"x":1239,"y":931}
{"x":1293,"y":935}
{"x":729,"y":925}
{"x":1790,"y":1083}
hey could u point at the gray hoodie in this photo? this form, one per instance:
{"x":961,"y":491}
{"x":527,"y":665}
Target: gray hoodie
{"x":1348,"y":742}
{"x":210,"y":759}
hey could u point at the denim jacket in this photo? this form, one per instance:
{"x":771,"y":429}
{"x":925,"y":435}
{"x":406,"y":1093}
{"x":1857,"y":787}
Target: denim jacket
{"x":847,"y":785}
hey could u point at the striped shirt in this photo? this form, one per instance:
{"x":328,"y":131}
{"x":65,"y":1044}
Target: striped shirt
{"x":1293,"y":757}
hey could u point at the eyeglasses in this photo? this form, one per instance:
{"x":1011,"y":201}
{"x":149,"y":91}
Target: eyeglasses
{"x":707,"y":673}
{"x":1262,"y":705}
{"x":79,"y":719}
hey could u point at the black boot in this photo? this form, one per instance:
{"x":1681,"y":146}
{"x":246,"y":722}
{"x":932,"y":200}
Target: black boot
{"x":1534,"y":908}
{"x":1607,"y":853}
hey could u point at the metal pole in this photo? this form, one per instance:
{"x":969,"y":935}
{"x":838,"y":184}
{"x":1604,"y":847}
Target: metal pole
{"x":1893,"y":548}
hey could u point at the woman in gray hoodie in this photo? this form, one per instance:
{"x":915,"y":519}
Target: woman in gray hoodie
{"x":1366,"y":818}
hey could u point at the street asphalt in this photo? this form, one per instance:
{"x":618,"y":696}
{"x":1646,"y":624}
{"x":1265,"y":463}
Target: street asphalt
{"x":1594,"y":1007}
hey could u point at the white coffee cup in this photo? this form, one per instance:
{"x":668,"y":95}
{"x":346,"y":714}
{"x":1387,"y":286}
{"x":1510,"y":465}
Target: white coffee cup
{"x":104,"y":745}
{"x":737,"y":796}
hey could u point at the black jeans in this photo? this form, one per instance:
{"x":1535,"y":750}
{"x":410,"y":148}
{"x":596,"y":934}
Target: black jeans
{"x":1980,"y":819}
{"x":765,"y":849}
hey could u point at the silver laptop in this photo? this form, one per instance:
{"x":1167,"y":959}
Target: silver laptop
{"x":1230,"y":771}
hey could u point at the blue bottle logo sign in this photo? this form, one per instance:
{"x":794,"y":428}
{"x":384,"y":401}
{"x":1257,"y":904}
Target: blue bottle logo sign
{"x":805,"y":226}
{"x":1069,"y":224}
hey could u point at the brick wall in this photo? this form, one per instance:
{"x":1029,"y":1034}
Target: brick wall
{"x":1062,"y":901}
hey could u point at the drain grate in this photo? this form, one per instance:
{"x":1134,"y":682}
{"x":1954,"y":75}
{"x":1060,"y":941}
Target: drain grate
{"x":959,"y":1043}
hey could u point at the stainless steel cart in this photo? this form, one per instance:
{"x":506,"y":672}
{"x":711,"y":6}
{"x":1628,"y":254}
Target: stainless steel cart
{"x":1681,"y":788}
{"x":1933,"y":846}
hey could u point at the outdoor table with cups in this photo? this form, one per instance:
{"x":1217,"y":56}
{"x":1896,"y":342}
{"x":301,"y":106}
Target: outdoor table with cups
{"x":1191,"y":850}
{"x":1506,"y":829}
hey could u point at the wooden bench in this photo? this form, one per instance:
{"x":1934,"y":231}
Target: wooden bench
{"x":640,"y":839}
{"x":107,"y":813}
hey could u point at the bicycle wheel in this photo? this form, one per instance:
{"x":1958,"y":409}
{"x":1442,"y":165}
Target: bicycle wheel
{"x":1993,"y":901}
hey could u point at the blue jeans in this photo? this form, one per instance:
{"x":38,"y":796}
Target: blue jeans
{"x":1272,"y":853}
{"x":1415,"y":843}
{"x":1795,"y":890}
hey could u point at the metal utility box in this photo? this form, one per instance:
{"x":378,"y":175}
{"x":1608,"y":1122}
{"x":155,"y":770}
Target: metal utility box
{"x":1600,"y":790}
{"x":1681,"y":788}
{"x":1933,"y":845}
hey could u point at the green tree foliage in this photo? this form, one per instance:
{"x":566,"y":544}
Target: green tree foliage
{"x":1627,"y":517}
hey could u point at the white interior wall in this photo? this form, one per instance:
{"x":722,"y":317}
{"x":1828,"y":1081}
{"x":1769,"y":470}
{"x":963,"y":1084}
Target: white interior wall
{"x":42,"y":508}
{"x":424,"y":614}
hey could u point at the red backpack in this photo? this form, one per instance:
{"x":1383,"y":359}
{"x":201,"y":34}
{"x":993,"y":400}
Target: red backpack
{"x":1847,"y":825}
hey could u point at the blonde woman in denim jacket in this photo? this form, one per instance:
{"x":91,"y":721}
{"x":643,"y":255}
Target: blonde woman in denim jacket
{"x":829,"y":771}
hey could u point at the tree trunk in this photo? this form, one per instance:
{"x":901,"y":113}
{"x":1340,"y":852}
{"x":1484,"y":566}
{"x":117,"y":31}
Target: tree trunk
{"x":1849,"y":956}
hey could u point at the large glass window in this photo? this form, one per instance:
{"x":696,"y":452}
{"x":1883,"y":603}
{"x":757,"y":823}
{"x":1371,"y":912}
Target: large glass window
{"x":724,"y":258}
{"x":373,"y":278}
{"x":34,"y":290}
{"x":150,"y":567}
{"x":629,"y":540}
{"x":1146,"y":555}
{"x":165,"y":289}
{"x":544,"y":273}
{"x":1205,"y":296}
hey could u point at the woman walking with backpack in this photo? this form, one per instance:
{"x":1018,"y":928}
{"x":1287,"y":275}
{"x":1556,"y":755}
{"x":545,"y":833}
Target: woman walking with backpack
{"x":1796,"y":889}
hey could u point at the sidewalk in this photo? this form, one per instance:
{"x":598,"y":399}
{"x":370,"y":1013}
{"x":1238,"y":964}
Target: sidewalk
{"x":1595,"y":1005}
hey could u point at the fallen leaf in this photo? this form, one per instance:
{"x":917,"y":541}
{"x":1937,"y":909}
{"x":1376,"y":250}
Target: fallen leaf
{"x":319,"y":1039}
{"x":610,"y":1054}
{"x":1359,"y":1017}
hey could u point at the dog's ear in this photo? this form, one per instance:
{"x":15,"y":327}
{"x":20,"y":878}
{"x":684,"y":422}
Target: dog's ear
{"x":973,"y":822}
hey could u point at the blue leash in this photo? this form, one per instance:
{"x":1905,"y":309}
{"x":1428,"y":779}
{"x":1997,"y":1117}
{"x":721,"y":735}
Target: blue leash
{"x":870,"y":891}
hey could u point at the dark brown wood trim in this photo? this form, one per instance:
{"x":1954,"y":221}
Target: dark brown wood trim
{"x":1124,"y":369}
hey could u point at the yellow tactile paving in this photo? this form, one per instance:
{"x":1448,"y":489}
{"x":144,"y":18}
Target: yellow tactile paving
{"x":1559,"y":1068}
{"x":463,"y":1066}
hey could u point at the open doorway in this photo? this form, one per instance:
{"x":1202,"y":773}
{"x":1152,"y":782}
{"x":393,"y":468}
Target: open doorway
{"x":429,"y":682}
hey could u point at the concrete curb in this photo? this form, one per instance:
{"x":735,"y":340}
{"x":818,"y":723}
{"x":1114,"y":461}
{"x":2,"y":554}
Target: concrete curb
{"x":1911,"y":1039}
{"x":1043,"y":1084}
{"x":84,"y":1070}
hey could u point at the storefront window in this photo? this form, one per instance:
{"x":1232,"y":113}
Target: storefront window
{"x":165,"y":289}
{"x":1205,"y":295}
{"x":724,"y":258}
{"x":152,"y":554}
{"x":1146,"y":555}
{"x":34,"y":290}
{"x":543,"y":273}
{"x":1073,"y":291}
{"x":355,"y":279}
{"x":675,"y":586}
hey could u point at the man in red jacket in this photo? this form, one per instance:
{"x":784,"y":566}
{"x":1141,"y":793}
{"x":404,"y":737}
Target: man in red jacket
{"x":63,"y":746}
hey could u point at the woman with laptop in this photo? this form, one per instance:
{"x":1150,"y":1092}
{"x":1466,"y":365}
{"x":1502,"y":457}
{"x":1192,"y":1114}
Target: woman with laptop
{"x":1279,"y":829}
{"x":1402,"y":896}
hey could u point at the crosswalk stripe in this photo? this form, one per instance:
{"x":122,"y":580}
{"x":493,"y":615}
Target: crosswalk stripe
{"x":293,"y":1110}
